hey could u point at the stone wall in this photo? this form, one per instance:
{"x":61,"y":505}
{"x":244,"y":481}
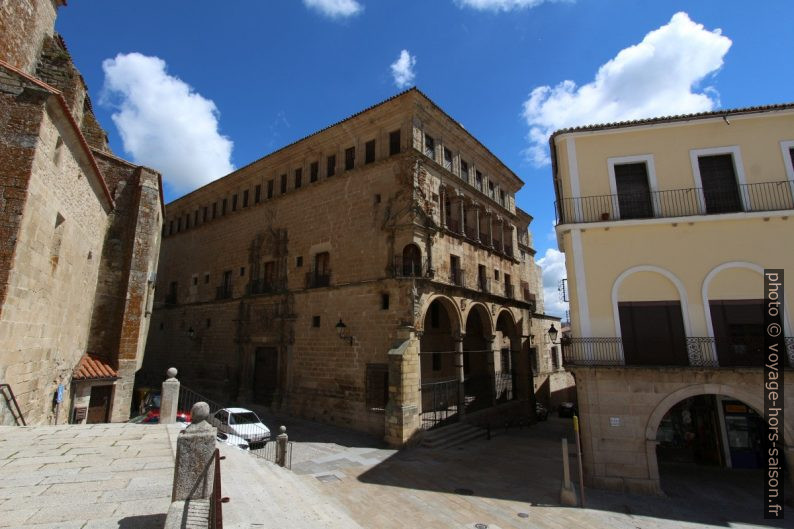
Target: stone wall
{"x":620,"y":410}
{"x":47,"y":308}
{"x":23,"y":26}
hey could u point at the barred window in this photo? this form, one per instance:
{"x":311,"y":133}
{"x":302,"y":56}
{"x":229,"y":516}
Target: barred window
{"x":377,"y":386}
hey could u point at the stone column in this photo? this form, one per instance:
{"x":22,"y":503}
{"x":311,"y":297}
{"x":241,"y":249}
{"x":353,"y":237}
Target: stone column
{"x":169,"y":398}
{"x":489,"y":341}
{"x":194,"y":465}
{"x":458,"y":338}
{"x":490,"y":228}
{"x":462,"y":215}
{"x":501,"y":234}
{"x":403,"y":408}
{"x":443,"y":194}
{"x":477,"y":222}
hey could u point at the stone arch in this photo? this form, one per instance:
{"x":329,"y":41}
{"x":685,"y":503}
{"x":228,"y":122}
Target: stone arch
{"x":755,"y":401}
{"x":456,"y":318}
{"x":725,"y":266}
{"x":485,"y":317}
{"x":682,"y":296}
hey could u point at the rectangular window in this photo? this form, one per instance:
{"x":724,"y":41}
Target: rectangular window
{"x":206,"y":279}
{"x":179,"y":224}
{"x":283,"y":184}
{"x":214,"y":209}
{"x":502,"y":197}
{"x":195,"y":280}
{"x":187,"y":221}
{"x":204,"y":214}
{"x":369,"y":151}
{"x":298,"y":178}
{"x":456,"y":274}
{"x":314,"y":171}
{"x":464,"y":170}
{"x":258,"y":194}
{"x":299,"y":261}
{"x":430,"y":147}
{"x":394,"y":142}
{"x":447,"y":159}
{"x":195,"y":218}
{"x":377,"y":386}
{"x":223,"y":206}
{"x":234,"y":202}
{"x":738,"y":331}
{"x":555,"y":358}
{"x":384,"y":301}
{"x":245,"y":198}
{"x":330,"y":166}
{"x":315,"y":321}
{"x":491,"y":188}
{"x":634,"y":191}
{"x":350,"y":158}
{"x":242,"y":271}
{"x":478,"y":180}
{"x":653,"y":333}
{"x":270,"y":186}
{"x":720,"y":189}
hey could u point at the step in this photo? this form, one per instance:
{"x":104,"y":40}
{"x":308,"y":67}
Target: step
{"x":452,"y":435}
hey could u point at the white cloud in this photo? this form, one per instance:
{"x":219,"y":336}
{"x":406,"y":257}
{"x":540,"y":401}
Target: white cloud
{"x":335,"y":8}
{"x":657,"y":77}
{"x":553,"y":265}
{"x":403,"y":69}
{"x":164,"y":123}
{"x":499,"y":5}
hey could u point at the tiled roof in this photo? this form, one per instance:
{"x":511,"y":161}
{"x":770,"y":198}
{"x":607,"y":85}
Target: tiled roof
{"x":680,"y":117}
{"x":91,"y":367}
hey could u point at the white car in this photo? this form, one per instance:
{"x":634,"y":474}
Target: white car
{"x":232,"y":440}
{"x":243,"y":423}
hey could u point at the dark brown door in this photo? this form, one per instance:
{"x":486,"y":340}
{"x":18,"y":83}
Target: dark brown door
{"x":99,"y":404}
{"x":720,"y":190}
{"x":634,"y":192}
{"x":653,"y":333}
{"x":738,"y":326}
{"x":265,"y":374}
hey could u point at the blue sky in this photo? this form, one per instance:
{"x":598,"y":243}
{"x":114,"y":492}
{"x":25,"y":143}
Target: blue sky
{"x":258,"y":75}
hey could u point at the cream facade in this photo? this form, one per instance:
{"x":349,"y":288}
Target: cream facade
{"x":376,"y":274}
{"x":667,"y":226}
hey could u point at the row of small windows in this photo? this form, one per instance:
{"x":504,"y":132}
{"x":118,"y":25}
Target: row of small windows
{"x":491,"y":189}
{"x":222,"y":207}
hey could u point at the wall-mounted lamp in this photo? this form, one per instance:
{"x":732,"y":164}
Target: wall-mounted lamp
{"x":341,"y":330}
{"x":553,"y":333}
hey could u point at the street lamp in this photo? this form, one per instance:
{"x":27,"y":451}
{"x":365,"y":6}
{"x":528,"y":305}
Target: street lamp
{"x":342,"y":332}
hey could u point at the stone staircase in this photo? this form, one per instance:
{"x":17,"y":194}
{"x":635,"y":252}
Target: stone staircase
{"x":452,"y":435}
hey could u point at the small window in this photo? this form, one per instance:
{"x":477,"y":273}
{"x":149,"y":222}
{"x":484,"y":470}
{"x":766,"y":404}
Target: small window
{"x":258,"y":194}
{"x":502,"y":197}
{"x":162,"y":326}
{"x":315,"y":321}
{"x":270,"y":185}
{"x":223,"y":206}
{"x":330,"y":166}
{"x":298,"y":178}
{"x":447,"y":159}
{"x":377,"y":198}
{"x":209,"y":323}
{"x":369,"y":151}
{"x":384,"y":301}
{"x":234,"y":202}
{"x":464,"y":170}
{"x":204,"y":214}
{"x":195,"y":280}
{"x":478,"y":180}
{"x":242,"y":271}
{"x":206,"y":279}
{"x":496,"y":275}
{"x":491,"y":188}
{"x":195,"y":218}
{"x":350,"y":158}
{"x":299,"y":261}
{"x":214,"y":209}
{"x":245,"y":198}
{"x":314,"y":171}
{"x":394,"y":142}
{"x":430,"y":147}
{"x":283,"y":184}
{"x":179,"y":224}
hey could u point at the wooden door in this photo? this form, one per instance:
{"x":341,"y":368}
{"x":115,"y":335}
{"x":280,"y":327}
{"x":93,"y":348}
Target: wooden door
{"x":99,"y":404}
{"x":265,"y":374}
{"x":720,"y":188}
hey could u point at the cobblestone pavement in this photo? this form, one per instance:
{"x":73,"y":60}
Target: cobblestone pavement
{"x":511,"y":481}
{"x":114,"y":476}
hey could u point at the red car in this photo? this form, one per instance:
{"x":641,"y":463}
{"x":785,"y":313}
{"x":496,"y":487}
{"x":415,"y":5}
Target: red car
{"x":153,"y":417}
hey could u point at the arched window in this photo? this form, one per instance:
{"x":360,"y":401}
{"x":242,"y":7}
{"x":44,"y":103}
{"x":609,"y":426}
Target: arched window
{"x":412,"y":261}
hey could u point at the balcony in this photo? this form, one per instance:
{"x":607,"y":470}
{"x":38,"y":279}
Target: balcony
{"x":509,"y":291}
{"x":266,"y":286}
{"x":765,"y":196}
{"x":223,"y":292}
{"x":453,"y":225}
{"x":403,"y":267}
{"x":508,"y":250}
{"x":471,"y":232}
{"x":695,"y":352}
{"x":316,"y":279}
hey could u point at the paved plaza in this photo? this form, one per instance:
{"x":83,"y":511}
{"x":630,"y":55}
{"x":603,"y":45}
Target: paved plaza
{"x":119,"y":476}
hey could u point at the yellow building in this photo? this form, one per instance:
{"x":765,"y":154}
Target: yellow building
{"x":667,"y":225}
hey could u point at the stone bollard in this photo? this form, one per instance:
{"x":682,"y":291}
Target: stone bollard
{"x":169,"y":398}
{"x":281,"y":447}
{"x":567,"y":493}
{"x":195,"y":466}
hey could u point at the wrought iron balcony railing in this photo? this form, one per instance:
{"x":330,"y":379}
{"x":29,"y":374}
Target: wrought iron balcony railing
{"x":694,"y":351}
{"x":509,"y":293}
{"x":403,"y":267}
{"x":456,"y":277}
{"x":484,"y":284}
{"x":315,"y":279}
{"x":266,"y":286}
{"x":764,"y":196}
{"x":471,"y":232}
{"x":223,"y":292}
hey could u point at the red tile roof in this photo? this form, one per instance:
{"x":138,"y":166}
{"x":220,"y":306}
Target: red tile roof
{"x":92,"y":367}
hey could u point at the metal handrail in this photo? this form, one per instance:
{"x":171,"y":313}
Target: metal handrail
{"x":763,"y":196}
{"x":11,"y":402}
{"x":217,"y":499}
